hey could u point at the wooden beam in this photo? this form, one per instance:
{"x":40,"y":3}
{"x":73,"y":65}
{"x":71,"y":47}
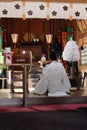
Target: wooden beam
{"x":60,"y":1}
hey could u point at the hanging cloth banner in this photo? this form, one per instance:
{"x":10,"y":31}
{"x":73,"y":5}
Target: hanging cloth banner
{"x":56,"y":10}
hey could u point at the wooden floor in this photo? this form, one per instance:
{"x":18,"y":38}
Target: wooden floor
{"x":16,"y":99}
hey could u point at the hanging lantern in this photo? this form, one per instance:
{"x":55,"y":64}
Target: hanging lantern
{"x":49,"y":38}
{"x":14,"y":37}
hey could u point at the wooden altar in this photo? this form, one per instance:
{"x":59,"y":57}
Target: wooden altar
{"x":21,"y":54}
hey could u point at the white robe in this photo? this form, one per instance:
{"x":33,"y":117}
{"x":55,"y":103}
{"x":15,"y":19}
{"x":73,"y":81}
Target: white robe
{"x":54,"y":79}
{"x":71,"y":51}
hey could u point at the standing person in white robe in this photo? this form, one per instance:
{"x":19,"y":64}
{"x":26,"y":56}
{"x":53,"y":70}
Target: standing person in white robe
{"x":54,"y":79}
